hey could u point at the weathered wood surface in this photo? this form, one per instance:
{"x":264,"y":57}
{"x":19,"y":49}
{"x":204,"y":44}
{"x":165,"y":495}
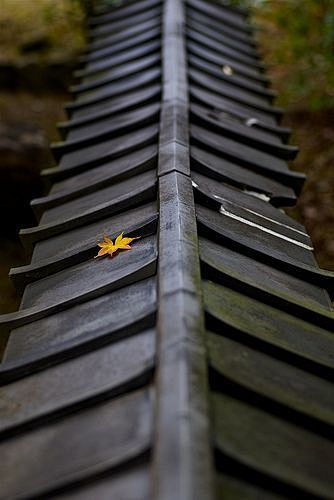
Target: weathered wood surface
{"x":200,"y":364}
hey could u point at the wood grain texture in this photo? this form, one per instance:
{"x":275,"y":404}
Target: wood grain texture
{"x":199,"y":364}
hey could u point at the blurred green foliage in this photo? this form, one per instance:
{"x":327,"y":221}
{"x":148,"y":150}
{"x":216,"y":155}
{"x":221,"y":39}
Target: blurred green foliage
{"x":41,"y":30}
{"x":297,"y":42}
{"x":296,"y":39}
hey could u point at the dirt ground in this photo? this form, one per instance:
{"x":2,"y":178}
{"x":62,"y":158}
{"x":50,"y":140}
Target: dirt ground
{"x":27,"y":126}
{"x":313,"y":132}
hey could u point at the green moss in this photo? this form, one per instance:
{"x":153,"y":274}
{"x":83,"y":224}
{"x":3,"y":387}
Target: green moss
{"x":40,"y":31}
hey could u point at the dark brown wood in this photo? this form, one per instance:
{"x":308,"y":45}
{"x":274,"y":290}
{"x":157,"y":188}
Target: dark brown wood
{"x":78,"y":330}
{"x":114,"y":433}
{"x":197,"y":365}
{"x":288,"y":456}
{"x":92,"y":156}
{"x":182,"y":414}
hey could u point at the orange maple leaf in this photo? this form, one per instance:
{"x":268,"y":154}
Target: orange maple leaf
{"x":108,"y":247}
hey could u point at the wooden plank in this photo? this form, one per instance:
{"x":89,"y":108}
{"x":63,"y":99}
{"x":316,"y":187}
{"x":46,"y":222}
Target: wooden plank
{"x":310,"y":346}
{"x":226,"y":73}
{"x":107,"y":174}
{"x":220,"y":169}
{"x":249,"y":205}
{"x":109,"y":107}
{"x":120,"y":25}
{"x":126,"y":34}
{"x":115,"y":60}
{"x":62,"y":290}
{"x":89,"y":275}
{"x":239,"y":69}
{"x":279,"y":288}
{"x":215,"y":25}
{"x":80,"y":329}
{"x":81,"y":369}
{"x":229,"y":487}
{"x":221,"y":36}
{"x":262,"y":139}
{"x":276,"y":380}
{"x":87,"y":202}
{"x":252,"y":237}
{"x":254,"y":244}
{"x":222,"y":48}
{"x":87,"y":236}
{"x":123,"y":11}
{"x":225,"y":88}
{"x":78,"y":245}
{"x":182,"y":414}
{"x":102,"y":129}
{"x":247,"y":156}
{"x":75,"y":384}
{"x":245,"y":113}
{"x":133,"y":484}
{"x":117,"y":74}
{"x":277,"y":448}
{"x":223,"y":14}
{"x":151,"y":33}
{"x":115,"y":431}
{"x":113,"y":90}
{"x":88,"y":208}
{"x":92,"y":156}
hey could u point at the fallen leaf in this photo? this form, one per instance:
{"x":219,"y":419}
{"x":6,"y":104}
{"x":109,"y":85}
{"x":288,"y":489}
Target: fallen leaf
{"x":108,"y":247}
